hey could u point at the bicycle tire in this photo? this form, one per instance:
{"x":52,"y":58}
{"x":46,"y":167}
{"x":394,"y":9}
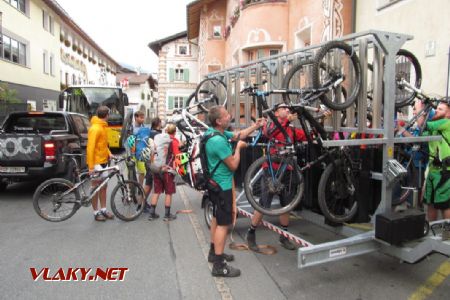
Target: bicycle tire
{"x":129,"y":201}
{"x":328,"y":186}
{"x":47,"y":191}
{"x":295,"y":72}
{"x":352,"y":90}
{"x":211,"y":88}
{"x":252,"y":182}
{"x":403,"y":97}
{"x":208,"y":212}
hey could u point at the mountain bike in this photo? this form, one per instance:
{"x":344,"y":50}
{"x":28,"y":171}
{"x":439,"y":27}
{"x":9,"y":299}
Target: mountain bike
{"x":279,"y":173}
{"x":58,"y":199}
{"x":406,"y":153}
{"x":209,"y":92}
{"x":334,"y":60}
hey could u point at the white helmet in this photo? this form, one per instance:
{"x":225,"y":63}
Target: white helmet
{"x":146,"y":154}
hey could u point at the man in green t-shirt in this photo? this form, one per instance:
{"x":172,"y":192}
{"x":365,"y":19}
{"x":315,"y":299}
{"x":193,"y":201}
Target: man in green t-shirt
{"x":437,"y":185}
{"x":219,"y":151}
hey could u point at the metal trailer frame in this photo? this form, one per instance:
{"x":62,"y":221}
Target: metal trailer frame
{"x":382,"y":48}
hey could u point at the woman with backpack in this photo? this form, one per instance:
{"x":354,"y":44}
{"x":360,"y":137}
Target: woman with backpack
{"x":167,"y":146}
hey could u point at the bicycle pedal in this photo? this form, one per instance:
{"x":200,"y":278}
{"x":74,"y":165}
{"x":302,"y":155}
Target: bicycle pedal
{"x":85,"y":201}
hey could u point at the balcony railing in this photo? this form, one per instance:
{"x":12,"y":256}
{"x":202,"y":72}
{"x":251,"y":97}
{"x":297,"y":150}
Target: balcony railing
{"x":247,"y":3}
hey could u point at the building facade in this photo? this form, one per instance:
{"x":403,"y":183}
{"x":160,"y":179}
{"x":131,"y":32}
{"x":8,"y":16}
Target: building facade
{"x":141,"y":90}
{"x":426,"y":21}
{"x":177,"y":72}
{"x":233,"y":32}
{"x":43,"y":50}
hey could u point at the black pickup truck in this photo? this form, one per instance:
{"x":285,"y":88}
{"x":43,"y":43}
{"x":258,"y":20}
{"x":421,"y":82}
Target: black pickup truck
{"x":32,"y":143}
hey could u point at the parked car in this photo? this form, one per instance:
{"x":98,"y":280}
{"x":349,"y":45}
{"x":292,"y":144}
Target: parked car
{"x":32,"y":143}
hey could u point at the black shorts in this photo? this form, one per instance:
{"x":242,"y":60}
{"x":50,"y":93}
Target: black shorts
{"x":222,"y":207}
{"x":266,"y":197}
{"x":441,"y":206}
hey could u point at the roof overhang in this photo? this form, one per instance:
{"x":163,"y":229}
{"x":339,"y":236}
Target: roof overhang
{"x":193,"y":12}
{"x":157,"y":45}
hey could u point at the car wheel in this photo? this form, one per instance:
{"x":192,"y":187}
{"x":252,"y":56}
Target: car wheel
{"x":3,"y":186}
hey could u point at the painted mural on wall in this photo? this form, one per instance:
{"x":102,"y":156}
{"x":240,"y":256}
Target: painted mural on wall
{"x":333,"y":26}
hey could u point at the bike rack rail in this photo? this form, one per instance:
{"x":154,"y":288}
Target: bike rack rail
{"x":379,"y":48}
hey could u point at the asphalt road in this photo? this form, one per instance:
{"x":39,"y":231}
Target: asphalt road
{"x":168,"y":260}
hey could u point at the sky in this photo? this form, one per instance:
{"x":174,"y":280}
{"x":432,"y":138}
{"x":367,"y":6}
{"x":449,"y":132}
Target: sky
{"x":123,"y":29}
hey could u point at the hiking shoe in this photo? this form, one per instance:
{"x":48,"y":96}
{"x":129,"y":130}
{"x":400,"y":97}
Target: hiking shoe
{"x":286,"y":243}
{"x":169,"y":217}
{"x":227,"y":257}
{"x":251,"y":241}
{"x":224,"y":270}
{"x":99,"y":217}
{"x":153,"y":216}
{"x":108,"y":215}
{"x":147,"y":208}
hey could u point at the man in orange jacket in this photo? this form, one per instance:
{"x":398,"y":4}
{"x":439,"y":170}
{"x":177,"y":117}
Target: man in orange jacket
{"x":97,"y":156}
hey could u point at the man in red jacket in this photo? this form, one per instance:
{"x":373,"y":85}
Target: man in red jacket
{"x":272,"y":132}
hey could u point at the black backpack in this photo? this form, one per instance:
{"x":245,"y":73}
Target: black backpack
{"x":203,"y":179}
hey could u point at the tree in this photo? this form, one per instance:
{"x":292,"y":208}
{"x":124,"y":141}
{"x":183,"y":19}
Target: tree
{"x":8,"y":95}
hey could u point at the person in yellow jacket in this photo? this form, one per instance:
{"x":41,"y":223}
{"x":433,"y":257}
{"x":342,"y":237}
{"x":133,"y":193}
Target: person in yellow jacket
{"x":97,"y":156}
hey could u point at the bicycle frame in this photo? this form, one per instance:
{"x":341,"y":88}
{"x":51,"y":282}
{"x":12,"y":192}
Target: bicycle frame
{"x":86,"y":200}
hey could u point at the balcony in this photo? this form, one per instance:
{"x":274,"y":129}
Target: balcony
{"x":248,"y":3}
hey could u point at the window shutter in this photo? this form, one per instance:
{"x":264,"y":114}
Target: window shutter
{"x":170,"y":104}
{"x":260,"y":53}
{"x":171,"y":74}
{"x":186,"y":75}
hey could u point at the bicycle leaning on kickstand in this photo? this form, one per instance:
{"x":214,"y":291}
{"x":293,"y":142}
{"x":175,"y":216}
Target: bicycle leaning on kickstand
{"x":58,"y":199}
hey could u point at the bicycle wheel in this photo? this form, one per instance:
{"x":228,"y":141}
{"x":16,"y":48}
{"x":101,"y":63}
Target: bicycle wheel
{"x":297,"y":78}
{"x":191,"y":105}
{"x":333,"y":60}
{"x":128,"y":200}
{"x":275,"y":195}
{"x":53,"y":201}
{"x":336,"y":195}
{"x":208,"y":212}
{"x":407,"y":67}
{"x":210,"y":92}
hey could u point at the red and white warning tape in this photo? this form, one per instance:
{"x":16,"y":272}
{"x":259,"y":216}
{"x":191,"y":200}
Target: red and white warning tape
{"x":278,"y":230}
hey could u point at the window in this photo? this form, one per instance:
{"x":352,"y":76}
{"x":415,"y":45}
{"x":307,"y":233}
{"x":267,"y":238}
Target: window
{"x":273,"y":52}
{"x":67,"y":78}
{"x":79,"y":124}
{"x":17,"y":4}
{"x":74,"y":79}
{"x":217,"y":31}
{"x":179,"y":74}
{"x":12,"y":50}
{"x":47,"y":22}
{"x":182,"y":50}
{"x":52,"y":65}
{"x":45,"y":61}
{"x":175,"y":102}
{"x":178,"y":102}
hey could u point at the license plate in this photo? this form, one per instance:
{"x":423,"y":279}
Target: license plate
{"x":12,"y":169}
